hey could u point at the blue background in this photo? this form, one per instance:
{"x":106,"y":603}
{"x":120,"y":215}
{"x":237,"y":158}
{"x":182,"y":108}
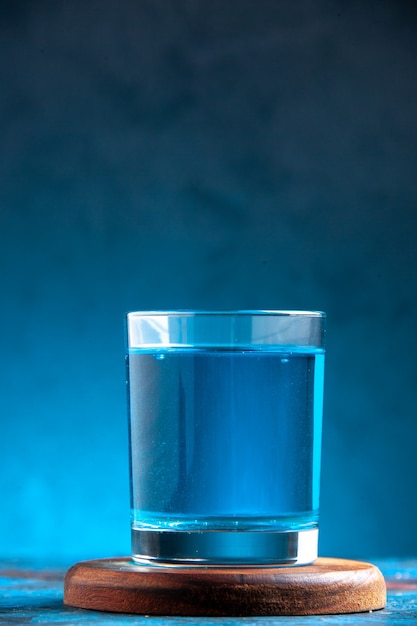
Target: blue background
{"x":216,"y":155}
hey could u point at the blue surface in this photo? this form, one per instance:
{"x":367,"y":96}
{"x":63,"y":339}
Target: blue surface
{"x":214,"y":155}
{"x":34,"y":594}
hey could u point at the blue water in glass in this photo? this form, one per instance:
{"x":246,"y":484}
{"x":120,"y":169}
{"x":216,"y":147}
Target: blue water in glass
{"x":225,"y":439}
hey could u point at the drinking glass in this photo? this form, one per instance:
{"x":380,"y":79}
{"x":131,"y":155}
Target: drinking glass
{"x":225,"y":419}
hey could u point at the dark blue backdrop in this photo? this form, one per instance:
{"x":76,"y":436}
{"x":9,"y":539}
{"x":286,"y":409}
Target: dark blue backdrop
{"x":203,"y":154}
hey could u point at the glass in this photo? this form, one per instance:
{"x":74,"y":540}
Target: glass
{"x":225,"y":413}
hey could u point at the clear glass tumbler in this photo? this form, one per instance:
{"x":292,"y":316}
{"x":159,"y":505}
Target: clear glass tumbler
{"x":225,"y":412}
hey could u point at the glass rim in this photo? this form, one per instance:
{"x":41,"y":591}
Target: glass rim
{"x":228,"y":313}
{"x":192,"y":328}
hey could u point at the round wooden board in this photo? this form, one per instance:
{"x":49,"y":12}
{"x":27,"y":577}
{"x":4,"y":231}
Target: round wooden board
{"x":328,"y":586}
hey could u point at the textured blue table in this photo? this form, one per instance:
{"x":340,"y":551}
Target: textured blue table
{"x":33,"y":594}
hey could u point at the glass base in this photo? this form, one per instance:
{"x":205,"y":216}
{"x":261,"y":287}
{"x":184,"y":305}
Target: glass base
{"x":224,"y":548}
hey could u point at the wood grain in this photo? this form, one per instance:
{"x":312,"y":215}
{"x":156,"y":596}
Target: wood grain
{"x":328,"y":586}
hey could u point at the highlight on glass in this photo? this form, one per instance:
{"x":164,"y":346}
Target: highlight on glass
{"x":225,"y":420}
